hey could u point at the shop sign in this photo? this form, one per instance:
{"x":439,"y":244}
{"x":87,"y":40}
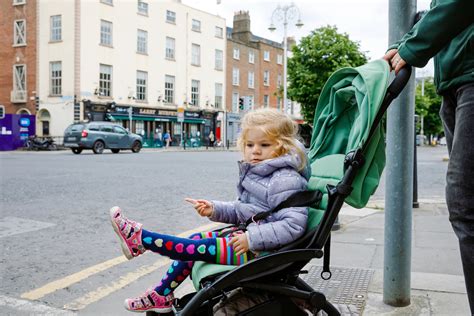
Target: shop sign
{"x":192,"y":114}
{"x":167,"y":113}
{"x":145,"y":111}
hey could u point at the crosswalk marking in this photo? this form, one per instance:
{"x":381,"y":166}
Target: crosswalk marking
{"x":81,"y":275}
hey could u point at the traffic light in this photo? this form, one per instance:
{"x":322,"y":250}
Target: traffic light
{"x":241,"y":103}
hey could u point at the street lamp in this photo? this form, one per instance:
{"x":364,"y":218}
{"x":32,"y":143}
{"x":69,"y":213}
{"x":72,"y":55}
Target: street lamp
{"x":285,"y":14}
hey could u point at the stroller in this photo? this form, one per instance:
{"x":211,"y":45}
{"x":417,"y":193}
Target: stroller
{"x":347,"y":156}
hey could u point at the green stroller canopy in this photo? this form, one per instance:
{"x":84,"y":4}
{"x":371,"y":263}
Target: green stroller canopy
{"x":345,"y":112}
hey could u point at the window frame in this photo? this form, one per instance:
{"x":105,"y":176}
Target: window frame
{"x":142,"y":87}
{"x":251,"y":57}
{"x":266,"y":55}
{"x":18,"y":33}
{"x":218,"y":32}
{"x":103,"y":33}
{"x":170,"y":16}
{"x":169,"y":91}
{"x":18,"y":2}
{"x":108,"y":2}
{"x":195,"y":54}
{"x":142,"y":10}
{"x":218,"y":95}
{"x":279,"y":59}
{"x":266,"y":100}
{"x":170,"y":51}
{"x":236,"y":53}
{"x":235,"y":102}
{"x":105,"y":84}
{"x":266,"y":78}
{"x":195,"y":92}
{"x":235,"y":76}
{"x":251,"y":83}
{"x":55,"y":81}
{"x":218,"y":62}
{"x":142,"y":42}
{"x":55,"y":31}
{"x":196,"y":25}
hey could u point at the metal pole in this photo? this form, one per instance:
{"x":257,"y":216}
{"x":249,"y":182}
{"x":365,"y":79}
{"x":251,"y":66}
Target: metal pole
{"x":285,"y":44}
{"x":399,"y":176}
{"x":415,"y":171}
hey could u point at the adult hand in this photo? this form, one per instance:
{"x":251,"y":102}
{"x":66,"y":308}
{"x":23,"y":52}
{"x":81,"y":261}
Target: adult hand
{"x":240,"y":243}
{"x":203,"y":207}
{"x":394,"y":60}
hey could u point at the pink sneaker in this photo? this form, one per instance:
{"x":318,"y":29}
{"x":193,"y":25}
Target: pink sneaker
{"x":150,"y":301}
{"x":129,"y":232}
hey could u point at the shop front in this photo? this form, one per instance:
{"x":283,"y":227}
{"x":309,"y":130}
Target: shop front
{"x":233,"y":128}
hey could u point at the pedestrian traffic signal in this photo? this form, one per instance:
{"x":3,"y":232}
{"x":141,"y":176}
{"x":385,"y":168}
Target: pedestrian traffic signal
{"x":241,"y":103}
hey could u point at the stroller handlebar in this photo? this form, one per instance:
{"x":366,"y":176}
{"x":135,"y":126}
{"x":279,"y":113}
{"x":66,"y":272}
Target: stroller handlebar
{"x":400,"y":81}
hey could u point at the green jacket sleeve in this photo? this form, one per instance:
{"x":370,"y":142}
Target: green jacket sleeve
{"x":443,"y":22}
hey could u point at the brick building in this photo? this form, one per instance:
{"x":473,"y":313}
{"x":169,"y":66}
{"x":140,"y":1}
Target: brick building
{"x":254,"y":72}
{"x":18,"y":57}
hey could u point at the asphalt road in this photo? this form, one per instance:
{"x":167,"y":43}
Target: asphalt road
{"x":54,"y":212}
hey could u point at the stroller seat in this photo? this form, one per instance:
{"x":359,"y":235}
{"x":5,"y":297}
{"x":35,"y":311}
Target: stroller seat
{"x":347,"y":157}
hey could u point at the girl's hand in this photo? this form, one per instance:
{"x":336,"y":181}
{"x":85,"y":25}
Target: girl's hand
{"x":240,"y":244}
{"x":203,"y":207}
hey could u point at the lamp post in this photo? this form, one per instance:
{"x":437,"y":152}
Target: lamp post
{"x":285,"y":14}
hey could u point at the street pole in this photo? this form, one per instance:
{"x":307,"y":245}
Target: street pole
{"x":285,"y":45}
{"x":399,"y":184}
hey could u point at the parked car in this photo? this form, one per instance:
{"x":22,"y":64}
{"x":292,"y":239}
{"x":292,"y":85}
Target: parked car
{"x":99,"y":136}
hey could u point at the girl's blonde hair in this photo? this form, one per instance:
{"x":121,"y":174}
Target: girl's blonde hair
{"x":278,"y":126}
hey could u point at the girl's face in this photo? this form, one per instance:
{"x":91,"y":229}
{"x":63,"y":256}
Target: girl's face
{"x":258,"y":147}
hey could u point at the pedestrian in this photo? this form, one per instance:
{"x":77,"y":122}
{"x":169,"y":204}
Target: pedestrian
{"x":274,"y":166}
{"x":446,"y":32}
{"x":158,"y":138}
{"x":211,"y":139}
{"x":167,"y":139}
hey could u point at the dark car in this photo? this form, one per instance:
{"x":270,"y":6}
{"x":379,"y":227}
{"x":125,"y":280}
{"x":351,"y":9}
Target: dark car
{"x":305,"y":132}
{"x":99,"y":136}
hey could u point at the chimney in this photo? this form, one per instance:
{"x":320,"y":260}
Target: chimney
{"x":241,"y":29}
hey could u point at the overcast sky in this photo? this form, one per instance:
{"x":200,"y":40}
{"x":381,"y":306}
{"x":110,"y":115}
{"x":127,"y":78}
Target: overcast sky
{"x":366,"y":21}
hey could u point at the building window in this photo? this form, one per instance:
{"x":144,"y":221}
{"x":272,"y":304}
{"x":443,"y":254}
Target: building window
{"x":219,"y":94}
{"x":18,"y":2}
{"x":170,"y":47}
{"x":195,"y":92}
{"x":219,"y":61}
{"x":266,"y":78}
{"x":279,"y":103}
{"x":235,"y":102}
{"x":109,"y":2}
{"x":105,"y":33}
{"x":56,"y":26}
{"x":279,"y":80}
{"x":105,"y":80}
{"x":251,"y":79}
{"x":279,"y":59}
{"x":142,"y":41}
{"x":250,"y":102}
{"x":55,"y":78}
{"x":235,"y":76}
{"x":251,"y":57}
{"x":169,"y":89}
{"x":142,"y":78}
{"x":236,"y":53}
{"x":19,"y":32}
{"x":196,"y":25}
{"x":19,"y":83}
{"x":219,"y":32}
{"x":266,"y":55}
{"x":196,"y":55}
{"x":170,"y":16}
{"x":266,"y":100}
{"x":142,"y":7}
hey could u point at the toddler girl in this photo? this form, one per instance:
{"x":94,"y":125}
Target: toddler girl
{"x":273,"y":168}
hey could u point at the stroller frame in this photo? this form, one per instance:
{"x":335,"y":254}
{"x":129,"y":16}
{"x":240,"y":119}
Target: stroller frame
{"x":278,"y":273}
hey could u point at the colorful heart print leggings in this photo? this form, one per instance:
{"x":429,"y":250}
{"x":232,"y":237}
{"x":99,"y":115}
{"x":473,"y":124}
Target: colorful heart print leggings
{"x":208,"y":246}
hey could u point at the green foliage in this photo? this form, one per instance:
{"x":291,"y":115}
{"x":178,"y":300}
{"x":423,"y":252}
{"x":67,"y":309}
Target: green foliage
{"x":428,"y":106}
{"x":314,"y":59}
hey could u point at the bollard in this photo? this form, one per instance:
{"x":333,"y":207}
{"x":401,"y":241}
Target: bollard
{"x":399,"y":173}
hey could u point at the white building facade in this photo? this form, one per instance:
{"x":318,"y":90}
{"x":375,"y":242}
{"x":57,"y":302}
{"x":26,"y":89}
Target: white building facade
{"x":102,"y":59}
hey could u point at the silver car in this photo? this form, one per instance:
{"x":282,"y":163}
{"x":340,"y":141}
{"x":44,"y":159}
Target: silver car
{"x":99,"y":136}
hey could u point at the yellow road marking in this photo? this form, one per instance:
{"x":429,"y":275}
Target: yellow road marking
{"x":81,"y":275}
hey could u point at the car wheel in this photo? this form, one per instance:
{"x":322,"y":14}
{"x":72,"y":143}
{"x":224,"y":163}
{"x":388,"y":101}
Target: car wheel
{"x":115,"y":151}
{"x":98,"y":147}
{"x":77,"y":151}
{"x":136,"y":146}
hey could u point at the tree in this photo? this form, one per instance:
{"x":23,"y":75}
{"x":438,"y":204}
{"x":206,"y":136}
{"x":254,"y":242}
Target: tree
{"x":314,"y":59}
{"x":427,"y":106}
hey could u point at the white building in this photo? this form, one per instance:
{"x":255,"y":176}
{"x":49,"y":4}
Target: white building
{"x":98,"y":58}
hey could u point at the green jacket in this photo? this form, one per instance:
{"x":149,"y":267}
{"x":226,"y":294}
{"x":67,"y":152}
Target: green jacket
{"x":446,"y":32}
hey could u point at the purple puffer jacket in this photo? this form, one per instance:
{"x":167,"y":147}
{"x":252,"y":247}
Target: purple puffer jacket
{"x":262,"y":187}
